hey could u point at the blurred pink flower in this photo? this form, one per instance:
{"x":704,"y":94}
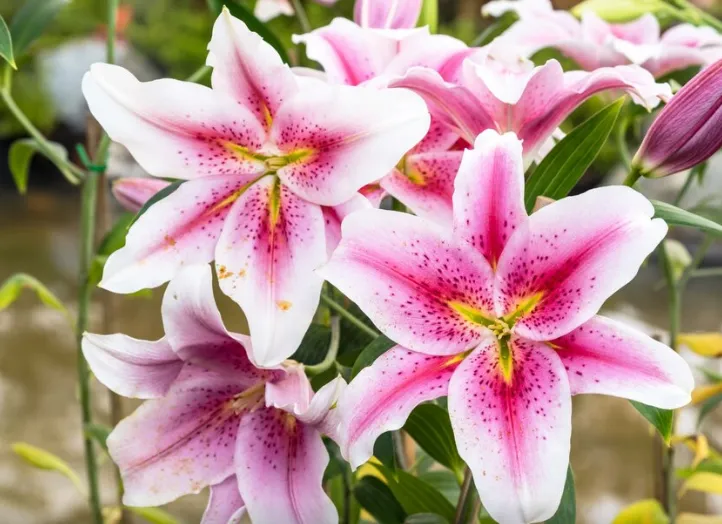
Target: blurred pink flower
{"x":213,"y":418}
{"x":500,"y":315}
{"x":266,"y":10}
{"x":387,"y":14}
{"x":133,"y":192}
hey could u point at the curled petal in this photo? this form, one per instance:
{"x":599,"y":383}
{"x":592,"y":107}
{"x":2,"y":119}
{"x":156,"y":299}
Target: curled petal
{"x":279,"y":464}
{"x":266,"y":10}
{"x":556,"y":271}
{"x":322,"y":411}
{"x":513,"y":433}
{"x":381,"y":397}
{"x":349,"y":137}
{"x":133,"y":193}
{"x":225,"y":505}
{"x":292,"y":392}
{"x":607,"y":357}
{"x":174,"y":129}
{"x":418,"y":287}
{"x":131,"y":367}
{"x":180,"y":230}
{"x":266,"y":255}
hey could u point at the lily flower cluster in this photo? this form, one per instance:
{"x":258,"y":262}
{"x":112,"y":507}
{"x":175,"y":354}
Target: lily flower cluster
{"x":281,"y":173}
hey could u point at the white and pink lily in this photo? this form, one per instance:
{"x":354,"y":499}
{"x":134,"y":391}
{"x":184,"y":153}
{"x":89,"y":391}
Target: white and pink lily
{"x":505,"y":92}
{"x":213,"y":418}
{"x":266,"y":10}
{"x":500,"y":315}
{"x":594,"y":43}
{"x":261,"y":153}
{"x":387,"y":14}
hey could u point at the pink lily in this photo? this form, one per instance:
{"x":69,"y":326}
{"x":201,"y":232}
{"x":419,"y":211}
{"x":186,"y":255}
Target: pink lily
{"x":133,"y":192}
{"x":214,"y":419}
{"x":688,"y":130}
{"x":266,"y":10}
{"x":387,"y":14}
{"x":508,"y":94}
{"x":261,"y":153}
{"x":500,"y":315}
{"x":594,"y":43}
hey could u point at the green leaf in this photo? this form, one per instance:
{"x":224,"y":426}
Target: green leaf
{"x":495,"y":29}
{"x":424,"y":518}
{"x":567,"y":511}
{"x":31,"y":20}
{"x":444,"y":481}
{"x":376,"y":498}
{"x":115,"y":238}
{"x":562,"y":168}
{"x":675,"y":216}
{"x":254,"y":24}
{"x":154,"y":515}
{"x":99,"y":433}
{"x":708,"y":406}
{"x":314,"y":345}
{"x":6,"y":44}
{"x":374,"y":350}
{"x":430,"y":15}
{"x":41,"y":459}
{"x":647,"y":511}
{"x":385,"y":450}
{"x":160,"y":195}
{"x":415,"y":495}
{"x":13,"y":286}
{"x":659,"y":418}
{"x":429,"y":425}
{"x":19,"y":157}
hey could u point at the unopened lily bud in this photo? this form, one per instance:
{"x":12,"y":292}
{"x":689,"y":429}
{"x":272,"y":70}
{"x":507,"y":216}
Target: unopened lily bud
{"x":387,"y":14}
{"x":132,"y":193}
{"x":688,"y":130}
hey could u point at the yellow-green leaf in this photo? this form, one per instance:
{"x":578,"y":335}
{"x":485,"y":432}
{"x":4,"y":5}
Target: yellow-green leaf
{"x":703,"y":481}
{"x":677,"y":256}
{"x":702,"y":393}
{"x":41,"y":459}
{"x":10,"y":290}
{"x":695,"y":518}
{"x":705,"y":344}
{"x":154,"y":515}
{"x":6,"y":44}
{"x":647,"y":511}
{"x":659,"y":418}
{"x":430,"y":15}
{"x":31,"y":20}
{"x":21,"y":154}
{"x":619,"y":10}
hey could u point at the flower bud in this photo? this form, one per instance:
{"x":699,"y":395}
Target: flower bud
{"x":688,"y":130}
{"x":133,"y":192}
{"x":387,"y":14}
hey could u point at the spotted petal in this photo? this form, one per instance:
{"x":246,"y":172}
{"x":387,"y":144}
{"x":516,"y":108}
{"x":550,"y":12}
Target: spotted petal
{"x":174,"y":129}
{"x":419,"y":287}
{"x":381,"y":397}
{"x":513,"y":433}
{"x":225,"y":505}
{"x":607,"y":357}
{"x":556,"y":271}
{"x":266,"y":256}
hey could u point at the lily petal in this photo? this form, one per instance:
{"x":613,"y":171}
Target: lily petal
{"x":334,"y":216}
{"x":321,"y":411}
{"x":179,"y":230}
{"x":350,"y":137}
{"x":514,"y":435}
{"x":266,"y":255}
{"x":381,"y":397}
{"x":225,"y":505}
{"x":607,"y":357}
{"x":418,"y":287}
{"x":556,"y":272}
{"x":279,"y":464}
{"x":248,"y":69}
{"x":291,"y":393}
{"x":131,"y":367}
{"x":266,"y":10}
{"x":387,"y":14}
{"x":132,"y":193}
{"x":489,"y":193}
{"x":174,"y":129}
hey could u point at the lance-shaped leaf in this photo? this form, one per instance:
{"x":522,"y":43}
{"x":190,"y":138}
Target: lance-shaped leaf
{"x":376,"y":498}
{"x":562,"y":168}
{"x":660,"y":418}
{"x":13,"y":286}
{"x":41,"y":459}
{"x":153,"y":515}
{"x":374,"y":350}
{"x":645,"y":511}
{"x":21,"y":154}
{"x":675,"y":216}
{"x":703,"y":481}
{"x":31,"y":20}
{"x":429,"y":425}
{"x":567,"y":512}
{"x":6,"y":44}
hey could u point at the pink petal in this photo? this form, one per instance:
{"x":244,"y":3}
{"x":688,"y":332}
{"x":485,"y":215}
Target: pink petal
{"x":387,"y":14}
{"x":322,"y":411}
{"x":438,"y":138}
{"x":514,"y":435}
{"x":131,"y":367}
{"x":348,"y":137}
{"x":412,"y":280}
{"x":442,"y":53}
{"x":248,"y":69}
{"x":179,"y":230}
{"x":381,"y":397}
{"x":426,"y":184}
{"x":334,"y":215}
{"x":174,"y":129}
{"x":132,"y":193}
{"x":349,"y":54}
{"x":266,"y":10}
{"x":374,"y":193}
{"x":641,"y":31}
{"x":292,"y":392}
{"x":557,"y":271}
{"x":181,"y":443}
{"x":279,"y":464}
{"x":489,"y":193}
{"x":225,"y":505}
{"x":607,"y":357}
{"x":266,"y":256}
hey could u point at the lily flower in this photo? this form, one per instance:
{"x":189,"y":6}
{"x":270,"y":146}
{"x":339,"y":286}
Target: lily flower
{"x":507,"y":93}
{"x":133,"y":192}
{"x":688,"y":130}
{"x":387,"y":14}
{"x":212,"y":418}
{"x":500,"y":315}
{"x":261,"y":153}
{"x":594,"y":43}
{"x":266,"y":10}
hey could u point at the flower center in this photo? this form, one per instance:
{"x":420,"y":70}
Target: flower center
{"x":500,"y":328}
{"x":249,"y":399}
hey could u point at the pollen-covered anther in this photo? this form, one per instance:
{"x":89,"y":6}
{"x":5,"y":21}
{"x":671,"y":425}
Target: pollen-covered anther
{"x":249,"y":399}
{"x":500,"y":329}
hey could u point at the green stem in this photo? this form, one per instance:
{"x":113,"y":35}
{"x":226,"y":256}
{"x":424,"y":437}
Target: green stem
{"x":621,"y":139}
{"x":634,"y":174}
{"x":687,"y":184}
{"x":199,"y":74}
{"x":112,"y":28}
{"x":338,"y":308}
{"x":461,"y":514}
{"x":87,"y":235}
{"x":302,"y":16}
{"x":330,"y":358}
{"x":706,"y":273}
